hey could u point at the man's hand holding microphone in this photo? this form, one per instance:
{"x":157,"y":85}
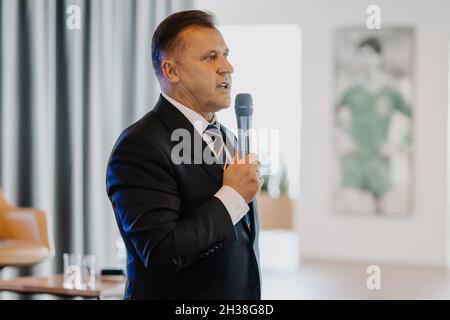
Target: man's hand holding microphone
{"x":243,"y":175}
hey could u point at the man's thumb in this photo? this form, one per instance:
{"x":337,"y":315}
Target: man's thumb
{"x":235,"y":157}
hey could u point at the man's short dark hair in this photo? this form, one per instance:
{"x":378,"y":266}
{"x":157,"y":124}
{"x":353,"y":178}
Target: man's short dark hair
{"x":166,"y":33}
{"x":372,"y":43}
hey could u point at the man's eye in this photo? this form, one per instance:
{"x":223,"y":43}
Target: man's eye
{"x":212,"y":57}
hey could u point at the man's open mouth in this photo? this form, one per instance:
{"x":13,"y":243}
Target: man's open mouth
{"x":224,"y":85}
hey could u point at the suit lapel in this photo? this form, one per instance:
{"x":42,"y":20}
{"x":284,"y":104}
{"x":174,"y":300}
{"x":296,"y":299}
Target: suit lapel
{"x":254,"y":220}
{"x":174,"y":120}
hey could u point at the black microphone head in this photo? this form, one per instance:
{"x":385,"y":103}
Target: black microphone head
{"x":243,"y":105}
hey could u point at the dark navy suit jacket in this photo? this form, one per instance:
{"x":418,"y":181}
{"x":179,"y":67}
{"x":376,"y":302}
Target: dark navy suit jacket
{"x":180,"y":240}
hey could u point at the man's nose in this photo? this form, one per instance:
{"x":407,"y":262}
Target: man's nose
{"x":225,"y":67}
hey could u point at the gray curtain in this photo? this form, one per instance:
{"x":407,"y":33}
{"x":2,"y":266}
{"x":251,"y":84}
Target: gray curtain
{"x":65,"y":95}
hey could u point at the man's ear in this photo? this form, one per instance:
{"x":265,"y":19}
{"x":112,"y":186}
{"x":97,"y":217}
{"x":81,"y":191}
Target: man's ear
{"x":170,"y":71}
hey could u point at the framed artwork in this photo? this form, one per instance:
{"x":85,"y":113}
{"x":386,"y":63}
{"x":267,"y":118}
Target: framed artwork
{"x":373,"y":113}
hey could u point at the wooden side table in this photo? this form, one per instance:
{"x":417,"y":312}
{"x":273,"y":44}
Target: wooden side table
{"x":106,"y":287}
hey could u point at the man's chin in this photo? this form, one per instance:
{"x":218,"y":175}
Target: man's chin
{"x":224,"y":106}
{"x":220,"y":104}
{"x":227,"y":102}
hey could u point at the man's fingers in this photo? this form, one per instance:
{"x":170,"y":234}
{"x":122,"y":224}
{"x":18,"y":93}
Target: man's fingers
{"x":235,"y":157}
{"x":250,"y":158}
{"x":234,"y":160}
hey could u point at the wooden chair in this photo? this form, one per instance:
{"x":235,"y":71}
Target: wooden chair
{"x":24,"y":238}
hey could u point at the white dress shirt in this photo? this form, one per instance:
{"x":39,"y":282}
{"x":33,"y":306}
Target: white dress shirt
{"x":231,"y":199}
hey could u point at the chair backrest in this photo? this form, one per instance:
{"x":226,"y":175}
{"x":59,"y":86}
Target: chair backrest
{"x":27,"y":234}
{"x":3,"y":202}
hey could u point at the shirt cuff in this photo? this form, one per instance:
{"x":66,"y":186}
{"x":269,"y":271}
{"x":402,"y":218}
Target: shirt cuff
{"x":233,"y":202}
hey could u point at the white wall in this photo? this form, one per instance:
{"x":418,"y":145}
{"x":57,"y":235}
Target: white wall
{"x":421,"y":238}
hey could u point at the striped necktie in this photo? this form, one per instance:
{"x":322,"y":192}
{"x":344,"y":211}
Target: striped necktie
{"x":223,"y":150}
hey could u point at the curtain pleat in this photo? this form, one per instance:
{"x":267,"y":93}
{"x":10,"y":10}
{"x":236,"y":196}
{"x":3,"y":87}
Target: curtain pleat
{"x":24,"y":95}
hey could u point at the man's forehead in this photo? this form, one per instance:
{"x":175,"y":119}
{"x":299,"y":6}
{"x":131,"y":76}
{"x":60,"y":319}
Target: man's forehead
{"x":202,"y":39}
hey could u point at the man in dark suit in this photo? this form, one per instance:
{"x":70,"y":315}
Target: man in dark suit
{"x":190,"y":227}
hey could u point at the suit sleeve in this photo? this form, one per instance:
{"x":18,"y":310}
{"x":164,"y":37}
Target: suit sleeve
{"x":142,"y":187}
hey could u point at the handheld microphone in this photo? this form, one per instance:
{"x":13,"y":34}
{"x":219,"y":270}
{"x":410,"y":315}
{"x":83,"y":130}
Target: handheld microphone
{"x":244,"y":111}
